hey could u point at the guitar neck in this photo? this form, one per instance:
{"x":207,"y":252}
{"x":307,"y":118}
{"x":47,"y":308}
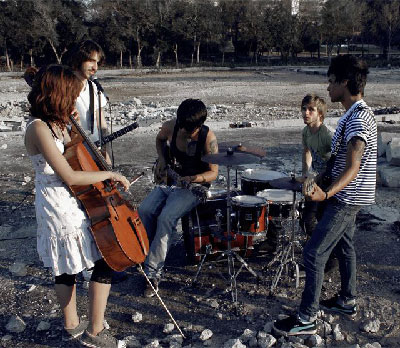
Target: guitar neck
{"x":95,"y":152}
{"x":117,"y":134}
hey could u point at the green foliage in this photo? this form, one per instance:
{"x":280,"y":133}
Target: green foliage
{"x":157,"y":32}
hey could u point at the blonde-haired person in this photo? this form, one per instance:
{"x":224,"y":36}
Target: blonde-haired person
{"x":64,"y":241}
{"x":317,"y":139}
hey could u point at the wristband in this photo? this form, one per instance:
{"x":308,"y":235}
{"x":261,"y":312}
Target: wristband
{"x":326,"y":195}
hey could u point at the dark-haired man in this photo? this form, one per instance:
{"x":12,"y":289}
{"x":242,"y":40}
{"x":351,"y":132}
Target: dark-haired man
{"x":189,"y":139}
{"x":84,"y":59}
{"x":354,"y":146}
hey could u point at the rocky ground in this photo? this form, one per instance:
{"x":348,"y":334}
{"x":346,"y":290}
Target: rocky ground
{"x":267,"y":101}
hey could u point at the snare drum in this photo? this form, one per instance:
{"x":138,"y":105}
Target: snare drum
{"x":249,"y":215}
{"x":201,"y":228}
{"x":280,"y":203}
{"x":255,"y":180}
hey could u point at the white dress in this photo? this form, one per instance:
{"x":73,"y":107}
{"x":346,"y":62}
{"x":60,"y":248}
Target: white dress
{"x":64,"y":241}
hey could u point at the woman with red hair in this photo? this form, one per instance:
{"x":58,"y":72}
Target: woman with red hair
{"x":64,"y":240}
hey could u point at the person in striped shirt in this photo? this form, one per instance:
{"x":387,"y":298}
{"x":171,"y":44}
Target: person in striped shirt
{"x":354,"y":152}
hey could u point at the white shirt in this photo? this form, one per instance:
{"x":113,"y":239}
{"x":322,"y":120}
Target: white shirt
{"x":83,"y":107}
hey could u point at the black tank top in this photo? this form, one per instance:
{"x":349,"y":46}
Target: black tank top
{"x":190,"y":163}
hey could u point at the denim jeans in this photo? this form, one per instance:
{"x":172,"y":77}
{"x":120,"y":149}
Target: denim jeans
{"x":334,"y":231}
{"x":160,"y":212}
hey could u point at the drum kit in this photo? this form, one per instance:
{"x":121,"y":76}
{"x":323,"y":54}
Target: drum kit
{"x":231,"y":220}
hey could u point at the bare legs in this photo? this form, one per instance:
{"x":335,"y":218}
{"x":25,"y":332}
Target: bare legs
{"x":66,"y":296}
{"x":98,"y":295}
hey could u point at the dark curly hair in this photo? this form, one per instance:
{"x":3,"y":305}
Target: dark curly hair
{"x":351,"y":68}
{"x":53,"y":95}
{"x":191,"y":114}
{"x":81,"y":53}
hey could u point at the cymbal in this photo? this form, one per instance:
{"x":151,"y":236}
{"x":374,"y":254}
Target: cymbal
{"x":230,"y":159}
{"x":237,"y":146}
{"x":286,"y":183}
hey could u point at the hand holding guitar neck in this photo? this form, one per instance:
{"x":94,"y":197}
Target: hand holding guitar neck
{"x":312,"y":191}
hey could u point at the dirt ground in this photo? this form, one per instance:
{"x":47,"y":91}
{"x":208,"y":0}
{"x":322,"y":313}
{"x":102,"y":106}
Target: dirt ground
{"x":208,"y":305}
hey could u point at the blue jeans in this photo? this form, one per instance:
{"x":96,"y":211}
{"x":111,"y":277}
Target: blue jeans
{"x":160,"y":212}
{"x":335,"y":230}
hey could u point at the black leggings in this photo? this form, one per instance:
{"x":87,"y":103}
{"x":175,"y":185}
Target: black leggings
{"x":102,"y":273}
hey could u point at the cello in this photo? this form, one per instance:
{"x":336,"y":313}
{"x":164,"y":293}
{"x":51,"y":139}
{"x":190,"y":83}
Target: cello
{"x":115,"y":224}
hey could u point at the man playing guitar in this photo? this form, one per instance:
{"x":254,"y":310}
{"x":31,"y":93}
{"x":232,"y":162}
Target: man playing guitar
{"x":160,"y":211}
{"x":353,"y":173}
{"x":84,"y":58}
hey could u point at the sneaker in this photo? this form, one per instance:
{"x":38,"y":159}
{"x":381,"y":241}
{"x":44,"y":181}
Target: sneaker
{"x":293,"y":326}
{"x":101,"y":340}
{"x":337,"y":305}
{"x":70,"y":334}
{"x":148,"y":291}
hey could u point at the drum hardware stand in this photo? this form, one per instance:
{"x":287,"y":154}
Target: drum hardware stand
{"x":286,"y":255}
{"x":231,"y":254}
{"x":208,"y":252}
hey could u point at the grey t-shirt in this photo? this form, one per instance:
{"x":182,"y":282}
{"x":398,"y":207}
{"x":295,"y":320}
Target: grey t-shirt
{"x":320,"y":146}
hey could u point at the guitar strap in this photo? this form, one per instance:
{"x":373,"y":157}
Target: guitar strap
{"x":91,"y":106}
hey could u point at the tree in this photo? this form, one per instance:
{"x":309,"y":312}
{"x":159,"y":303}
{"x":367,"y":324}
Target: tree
{"x":337,"y":28}
{"x":7,"y":21}
{"x":382,"y":23}
{"x":284,"y":30}
{"x":115,"y":33}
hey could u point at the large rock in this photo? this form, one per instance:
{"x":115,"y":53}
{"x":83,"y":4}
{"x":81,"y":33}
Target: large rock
{"x":389,"y":175}
{"x":383,"y":139}
{"x":15,"y":324}
{"x":393,"y":152}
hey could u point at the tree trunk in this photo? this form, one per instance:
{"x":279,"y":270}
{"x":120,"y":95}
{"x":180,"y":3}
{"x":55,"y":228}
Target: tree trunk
{"x":31,"y":57}
{"x":176,"y":55}
{"x":191,"y":61}
{"x":55,"y":51}
{"x":158,"y":61}
{"x":22,"y":62}
{"x":139,"y":57}
{"x":130,"y":60}
{"x":139,"y":54}
{"x":389,"y":43}
{"x":120,"y":58}
{"x":8,"y":60}
{"x":198,"y":53}
{"x":223,"y":57}
{"x":319,"y":50}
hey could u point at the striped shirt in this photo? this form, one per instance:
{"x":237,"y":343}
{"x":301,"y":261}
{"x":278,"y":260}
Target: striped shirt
{"x":360,"y":122}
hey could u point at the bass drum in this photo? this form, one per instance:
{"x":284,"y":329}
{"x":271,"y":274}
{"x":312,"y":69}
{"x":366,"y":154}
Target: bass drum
{"x":205,"y":229}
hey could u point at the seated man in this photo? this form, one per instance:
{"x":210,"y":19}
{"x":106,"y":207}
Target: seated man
{"x":160,"y":211}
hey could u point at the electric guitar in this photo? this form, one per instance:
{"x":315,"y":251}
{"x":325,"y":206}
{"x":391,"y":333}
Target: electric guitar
{"x":198,"y":190}
{"x":145,"y":122}
{"x":170,"y":177}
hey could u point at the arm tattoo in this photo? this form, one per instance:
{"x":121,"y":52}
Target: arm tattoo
{"x":213,"y":146}
{"x":358,"y":146}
